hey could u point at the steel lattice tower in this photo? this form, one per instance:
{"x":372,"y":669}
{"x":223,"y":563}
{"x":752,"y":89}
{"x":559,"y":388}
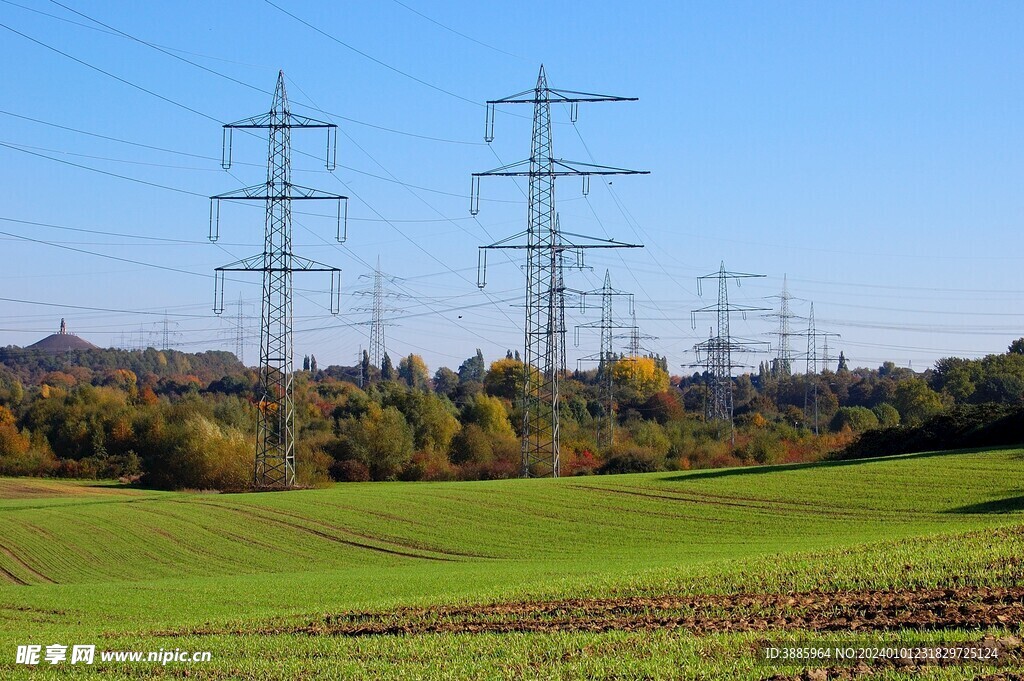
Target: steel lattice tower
{"x":545,"y":242}
{"x":275,"y":446}
{"x":811,"y":370}
{"x":240,"y":331}
{"x":784,"y":355}
{"x":606,"y":357}
{"x":718,"y":349}
{"x":377,"y":344}
{"x":377,"y":309}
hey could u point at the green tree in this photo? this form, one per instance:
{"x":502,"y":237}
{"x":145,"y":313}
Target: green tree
{"x":473,"y":368}
{"x":888,"y":416}
{"x":857,"y":419}
{"x":380,"y":439}
{"x":446,"y":382}
{"x":387,"y":369}
{"x":916,"y":401}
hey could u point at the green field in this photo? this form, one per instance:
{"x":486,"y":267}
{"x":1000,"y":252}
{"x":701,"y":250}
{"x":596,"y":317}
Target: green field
{"x":278,"y":585}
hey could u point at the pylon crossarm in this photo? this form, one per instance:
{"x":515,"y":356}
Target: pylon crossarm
{"x":293,"y":192}
{"x":580,"y":168}
{"x":253,"y":263}
{"x":568,"y":169}
{"x":598,"y":242}
{"x":554,"y":96}
{"x":307,"y":265}
{"x":267,"y":120}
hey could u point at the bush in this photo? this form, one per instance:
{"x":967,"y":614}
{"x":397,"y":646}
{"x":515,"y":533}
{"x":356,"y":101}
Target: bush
{"x":888,"y":416}
{"x":764,"y":448}
{"x":350,"y":470}
{"x":632,"y":460}
{"x":857,"y":419}
{"x":199,"y":454}
{"x":984,"y":425}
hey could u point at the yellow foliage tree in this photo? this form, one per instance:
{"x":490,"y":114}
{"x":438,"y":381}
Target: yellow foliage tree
{"x":637,"y":378}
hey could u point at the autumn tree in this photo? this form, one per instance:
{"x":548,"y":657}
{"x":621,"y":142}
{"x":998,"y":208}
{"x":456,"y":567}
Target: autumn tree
{"x":505,"y":379}
{"x":637,"y":378}
{"x":489,"y":414}
{"x":413,"y":371}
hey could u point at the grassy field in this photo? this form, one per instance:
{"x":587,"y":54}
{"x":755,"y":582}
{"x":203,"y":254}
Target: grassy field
{"x":285,"y":585}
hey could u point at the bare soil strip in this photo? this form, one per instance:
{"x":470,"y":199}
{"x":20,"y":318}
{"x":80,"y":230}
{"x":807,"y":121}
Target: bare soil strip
{"x":968,"y":608}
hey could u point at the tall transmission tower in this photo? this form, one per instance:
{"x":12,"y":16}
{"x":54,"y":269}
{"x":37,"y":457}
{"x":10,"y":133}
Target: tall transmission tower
{"x":379,"y":294}
{"x":718,"y":349}
{"x":545,"y":246}
{"x":783,"y":364}
{"x":606,"y":357}
{"x":275,"y":445}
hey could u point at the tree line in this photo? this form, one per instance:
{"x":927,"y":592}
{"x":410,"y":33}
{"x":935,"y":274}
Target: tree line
{"x":187,"y":421}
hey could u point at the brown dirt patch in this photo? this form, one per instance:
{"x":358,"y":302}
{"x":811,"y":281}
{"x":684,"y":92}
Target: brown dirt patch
{"x":861,"y":611}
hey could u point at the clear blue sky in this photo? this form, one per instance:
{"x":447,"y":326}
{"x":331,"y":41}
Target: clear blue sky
{"x":869,"y":151}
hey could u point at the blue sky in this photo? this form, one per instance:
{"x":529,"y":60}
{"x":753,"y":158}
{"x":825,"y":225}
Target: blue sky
{"x":867,"y":151}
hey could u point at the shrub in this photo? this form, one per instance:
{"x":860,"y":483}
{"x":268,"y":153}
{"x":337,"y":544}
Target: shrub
{"x":631,"y":460}
{"x":888,"y":416}
{"x":857,"y":419}
{"x":350,"y":470}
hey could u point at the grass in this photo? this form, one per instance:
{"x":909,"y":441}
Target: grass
{"x":100,"y":563}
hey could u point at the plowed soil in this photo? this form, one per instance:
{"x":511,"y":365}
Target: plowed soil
{"x":866,"y":611}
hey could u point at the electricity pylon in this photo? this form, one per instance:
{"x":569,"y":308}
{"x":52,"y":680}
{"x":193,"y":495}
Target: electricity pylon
{"x":718,"y":349}
{"x":635,"y":340}
{"x":811,"y":370}
{"x":377,"y":310}
{"x":606,"y":357}
{"x":275,"y":445}
{"x":545,"y":246}
{"x":783,"y":365}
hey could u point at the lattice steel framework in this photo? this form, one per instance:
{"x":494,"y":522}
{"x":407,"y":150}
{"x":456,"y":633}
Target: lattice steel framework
{"x":718,"y":349}
{"x":606,"y":357}
{"x":378,"y":308}
{"x":811,"y":367}
{"x":545,"y":245}
{"x":783,"y":365}
{"x":275,"y":446}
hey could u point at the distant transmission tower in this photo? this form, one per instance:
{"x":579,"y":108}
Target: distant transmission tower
{"x":811,"y":383}
{"x":606,"y":357}
{"x":783,"y":365}
{"x":240,"y":319}
{"x":275,"y":446}
{"x":168,"y":333}
{"x":377,"y":310}
{"x":635,"y":339}
{"x":545,"y":244}
{"x":719,"y":348}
